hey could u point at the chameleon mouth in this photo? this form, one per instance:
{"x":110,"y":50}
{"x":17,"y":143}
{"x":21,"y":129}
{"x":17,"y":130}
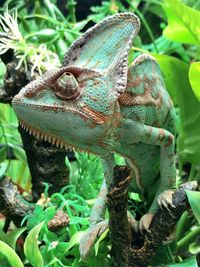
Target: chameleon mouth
{"x":50,"y":137}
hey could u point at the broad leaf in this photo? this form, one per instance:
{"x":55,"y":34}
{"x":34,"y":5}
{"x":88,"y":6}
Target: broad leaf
{"x":19,"y":152}
{"x":74,"y":240}
{"x":8,"y":254}
{"x":3,"y":153}
{"x":183,"y":23}
{"x":175,"y":74}
{"x":3,"y":168}
{"x":194,"y":200}
{"x":194,"y":74}
{"x":31,"y":248}
{"x":11,"y":238}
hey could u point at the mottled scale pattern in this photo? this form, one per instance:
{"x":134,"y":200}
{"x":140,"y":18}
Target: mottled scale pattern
{"x":146,"y":98}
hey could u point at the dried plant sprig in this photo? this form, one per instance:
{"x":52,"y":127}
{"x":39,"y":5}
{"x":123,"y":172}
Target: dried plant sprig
{"x":11,"y":38}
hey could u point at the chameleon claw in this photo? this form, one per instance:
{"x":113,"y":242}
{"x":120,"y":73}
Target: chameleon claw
{"x":169,"y":239}
{"x":88,"y":240}
{"x":103,"y":228}
{"x":132,"y":222}
{"x":164,"y":204}
{"x":165,"y":199}
{"x":145,"y":222}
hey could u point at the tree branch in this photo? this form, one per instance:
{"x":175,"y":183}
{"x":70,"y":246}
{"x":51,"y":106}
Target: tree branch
{"x":127,"y":252}
{"x":120,"y":232}
{"x":12,"y":205}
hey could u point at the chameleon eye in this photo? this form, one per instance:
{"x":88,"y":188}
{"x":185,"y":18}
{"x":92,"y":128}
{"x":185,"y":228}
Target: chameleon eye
{"x":66,"y":86}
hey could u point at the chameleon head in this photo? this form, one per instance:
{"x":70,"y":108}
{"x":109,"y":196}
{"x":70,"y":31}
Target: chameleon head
{"x":73,"y":105}
{"x":59,"y":107}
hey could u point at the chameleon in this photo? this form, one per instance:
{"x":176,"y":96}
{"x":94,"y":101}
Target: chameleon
{"x":96,"y":103}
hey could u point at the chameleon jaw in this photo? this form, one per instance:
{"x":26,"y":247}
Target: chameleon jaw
{"x":50,"y":137}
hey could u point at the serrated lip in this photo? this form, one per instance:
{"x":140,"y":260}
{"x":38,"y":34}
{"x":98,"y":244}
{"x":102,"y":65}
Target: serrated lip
{"x":50,"y":137}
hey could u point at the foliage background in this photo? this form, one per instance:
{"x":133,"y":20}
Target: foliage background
{"x":41,"y":33}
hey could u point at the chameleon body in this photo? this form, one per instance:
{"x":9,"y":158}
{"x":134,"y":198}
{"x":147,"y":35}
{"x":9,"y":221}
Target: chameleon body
{"x":95,"y":103}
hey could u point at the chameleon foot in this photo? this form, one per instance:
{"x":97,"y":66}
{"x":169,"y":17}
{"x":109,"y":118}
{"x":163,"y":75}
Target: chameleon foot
{"x":169,"y":239}
{"x":165,"y":199}
{"x":88,"y":240}
{"x":132,"y":222}
{"x":145,"y":221}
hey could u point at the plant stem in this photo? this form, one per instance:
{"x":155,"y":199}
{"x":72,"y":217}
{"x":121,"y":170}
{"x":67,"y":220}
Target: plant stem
{"x":49,"y":7}
{"x":185,"y":241}
{"x":192,"y":173}
{"x":146,"y":25}
{"x":197,"y":176}
{"x":170,"y":254}
{"x":71,"y":7}
{"x":180,"y":167}
{"x":182,"y":225}
{"x":6,"y":141}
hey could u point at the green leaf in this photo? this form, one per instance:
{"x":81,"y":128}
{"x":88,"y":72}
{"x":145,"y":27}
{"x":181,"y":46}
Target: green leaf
{"x":76,"y":220}
{"x":2,"y":71}
{"x":99,"y":241}
{"x":54,"y":261}
{"x":75,"y":239}
{"x":183,"y":23}
{"x":39,"y":215}
{"x":81,"y":24}
{"x":194,"y":200}
{"x":191,"y":262}
{"x":6,"y":252}
{"x":175,"y":73}
{"x":3,"y":153}
{"x":50,"y":212}
{"x":31,"y":248}
{"x":194,"y":248}
{"x":3,"y":168}
{"x":19,"y":152}
{"x":194,"y":74}
{"x":42,"y":36}
{"x":11,"y":238}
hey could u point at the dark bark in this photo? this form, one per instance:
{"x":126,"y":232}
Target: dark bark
{"x":120,"y":232}
{"x":46,"y":162}
{"x":126,"y":249}
{"x":14,"y":80}
{"x":12,"y":205}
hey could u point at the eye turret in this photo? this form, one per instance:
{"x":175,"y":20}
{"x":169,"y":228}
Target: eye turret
{"x":67,"y":87}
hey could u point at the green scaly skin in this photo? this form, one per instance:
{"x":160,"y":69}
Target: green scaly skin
{"x":102,"y":107}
